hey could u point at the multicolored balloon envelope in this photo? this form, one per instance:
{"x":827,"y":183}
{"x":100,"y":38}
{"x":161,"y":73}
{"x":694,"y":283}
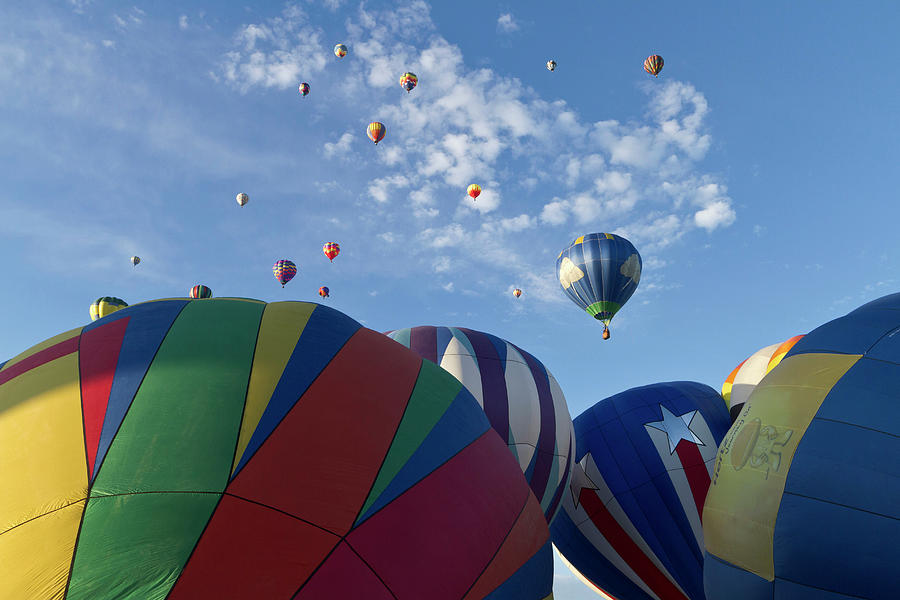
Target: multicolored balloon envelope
{"x":741,"y":382}
{"x":200,"y":291}
{"x":106,"y":305}
{"x":631,"y":524}
{"x":806,"y":498}
{"x":229,"y":448}
{"x":520,"y":397}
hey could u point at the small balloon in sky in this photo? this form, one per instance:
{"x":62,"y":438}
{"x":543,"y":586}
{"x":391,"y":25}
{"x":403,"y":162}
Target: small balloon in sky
{"x":284,"y":271}
{"x":106,"y":306}
{"x":135,"y":261}
{"x":331,"y":250}
{"x":324,"y":291}
{"x":517,"y":292}
{"x":376,"y":131}
{"x":409,"y":81}
{"x":242,"y":199}
{"x":304,"y":89}
{"x":340,"y":50}
{"x":551,"y":65}
{"x":653,"y":64}
{"x":474,"y":190}
{"x":200,"y":291}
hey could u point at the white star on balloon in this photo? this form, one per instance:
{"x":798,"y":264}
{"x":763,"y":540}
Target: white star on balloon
{"x":676,"y":427}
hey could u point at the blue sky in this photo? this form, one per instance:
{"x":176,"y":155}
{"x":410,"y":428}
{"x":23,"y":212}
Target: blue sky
{"x":755,"y":175}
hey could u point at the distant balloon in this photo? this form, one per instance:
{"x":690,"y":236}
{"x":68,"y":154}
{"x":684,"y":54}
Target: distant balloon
{"x":135,"y":261}
{"x":805,"y":500}
{"x":599,"y":272}
{"x":746,"y":376}
{"x":331,"y":250}
{"x":631,"y":522}
{"x":284,"y":271}
{"x":242,"y":199}
{"x":340,"y":50}
{"x":409,"y":81}
{"x":517,"y":292}
{"x":474,"y":190}
{"x":106,"y":306}
{"x":304,"y":89}
{"x":324,"y":291}
{"x":200,"y":291}
{"x":551,"y":65}
{"x":653,"y":64}
{"x":376,"y":131}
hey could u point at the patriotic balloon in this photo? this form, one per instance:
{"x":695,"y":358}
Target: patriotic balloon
{"x":520,"y":397}
{"x":284,"y":271}
{"x":806,"y":498}
{"x":236,"y":449}
{"x":631,"y":522}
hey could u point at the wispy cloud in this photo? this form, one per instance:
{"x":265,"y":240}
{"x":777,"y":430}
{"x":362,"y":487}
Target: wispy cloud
{"x":183,"y":22}
{"x":506,"y":23}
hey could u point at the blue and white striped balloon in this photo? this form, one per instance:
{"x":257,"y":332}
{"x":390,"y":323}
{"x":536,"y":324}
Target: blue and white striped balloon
{"x":520,"y":397}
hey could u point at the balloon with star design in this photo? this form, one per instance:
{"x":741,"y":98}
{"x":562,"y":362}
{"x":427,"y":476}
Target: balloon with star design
{"x":631,"y":522}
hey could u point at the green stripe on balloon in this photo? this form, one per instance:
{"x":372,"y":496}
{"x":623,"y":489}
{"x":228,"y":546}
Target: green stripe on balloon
{"x":430,"y":399}
{"x":603,"y":310}
{"x":169,"y":463}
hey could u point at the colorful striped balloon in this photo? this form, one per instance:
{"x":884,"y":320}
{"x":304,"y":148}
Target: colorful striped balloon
{"x":284,"y":271}
{"x":654,"y":64}
{"x":806,"y":498}
{"x":340,"y":50}
{"x":200,"y":291}
{"x":376,"y":131}
{"x":746,"y":376}
{"x":106,"y":306}
{"x":237,"y":449}
{"x":409,"y":81}
{"x":521,"y":398}
{"x":632,"y":522}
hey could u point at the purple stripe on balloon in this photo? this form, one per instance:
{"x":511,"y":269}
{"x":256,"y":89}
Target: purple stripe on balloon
{"x":547,"y":436}
{"x":493,"y":383}
{"x":423,"y":341}
{"x":554,"y":504}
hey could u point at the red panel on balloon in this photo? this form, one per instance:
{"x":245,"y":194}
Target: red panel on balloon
{"x":98,"y":355}
{"x":321,"y":461}
{"x":344,"y":575}
{"x":453,"y":521}
{"x":528,"y":535}
{"x":251,"y":551}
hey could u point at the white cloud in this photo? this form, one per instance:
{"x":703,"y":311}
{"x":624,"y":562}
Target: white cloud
{"x":556,"y":212}
{"x":448,"y":287}
{"x":506,"y":23}
{"x":441,"y":264}
{"x":519,"y":223}
{"x":183,"y":22}
{"x":80,"y":5}
{"x":716,"y":214}
{"x":338,"y":148}
{"x":108,"y":43}
{"x":388,"y":237}
{"x":380,"y":189}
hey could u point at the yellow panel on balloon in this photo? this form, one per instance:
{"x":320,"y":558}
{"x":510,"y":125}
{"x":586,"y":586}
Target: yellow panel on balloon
{"x":36,"y":556}
{"x":41,"y":441}
{"x":754,"y":459}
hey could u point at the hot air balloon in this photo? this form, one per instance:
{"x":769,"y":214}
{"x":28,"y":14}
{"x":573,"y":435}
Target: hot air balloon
{"x":631,"y":523}
{"x":304,"y":89}
{"x":520,"y":397}
{"x":409,"y":81}
{"x":152,"y":452}
{"x":744,"y":378}
{"x":324,"y":292}
{"x":599,"y":272}
{"x":517,"y":292}
{"x":340,"y":50}
{"x":653,"y":64}
{"x":242,"y":199}
{"x":805,"y":502}
{"x":551,"y":65}
{"x":474,"y":191}
{"x":284,"y":271}
{"x":135,"y":261}
{"x":106,"y":306}
{"x":200,"y":291}
{"x":376,"y":131}
{"x":331,"y":250}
